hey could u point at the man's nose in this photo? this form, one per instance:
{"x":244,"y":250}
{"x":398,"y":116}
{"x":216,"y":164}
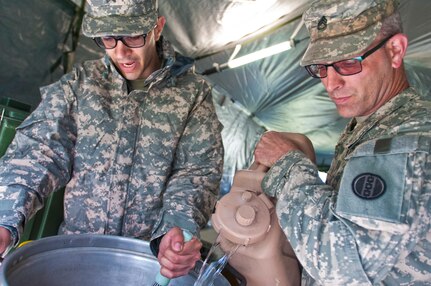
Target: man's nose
{"x":333,"y":79}
{"x":121,"y":48}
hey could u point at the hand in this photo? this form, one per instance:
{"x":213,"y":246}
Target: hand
{"x":273,"y":145}
{"x":5,"y":239}
{"x":177,"y":258}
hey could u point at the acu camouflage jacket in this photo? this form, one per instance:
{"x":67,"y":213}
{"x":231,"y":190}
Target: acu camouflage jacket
{"x":370,"y":223}
{"x":134,"y":164}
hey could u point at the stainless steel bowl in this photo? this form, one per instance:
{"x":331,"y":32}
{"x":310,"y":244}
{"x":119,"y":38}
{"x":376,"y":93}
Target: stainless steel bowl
{"x":93,"y":260}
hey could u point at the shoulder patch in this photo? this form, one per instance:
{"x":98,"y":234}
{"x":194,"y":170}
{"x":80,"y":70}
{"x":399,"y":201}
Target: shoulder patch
{"x":368,"y":186}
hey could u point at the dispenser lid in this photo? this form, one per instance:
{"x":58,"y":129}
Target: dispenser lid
{"x":242,"y":217}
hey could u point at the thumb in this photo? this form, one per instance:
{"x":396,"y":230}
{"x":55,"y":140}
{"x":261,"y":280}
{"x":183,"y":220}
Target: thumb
{"x":178,"y":246}
{"x":177,"y":243}
{"x":177,"y":239}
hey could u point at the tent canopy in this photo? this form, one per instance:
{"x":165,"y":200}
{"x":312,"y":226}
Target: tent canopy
{"x":40,"y":41}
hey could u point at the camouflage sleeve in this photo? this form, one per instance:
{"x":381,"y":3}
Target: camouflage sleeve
{"x":193,"y":186}
{"x":355,"y":235}
{"x":38,"y":159}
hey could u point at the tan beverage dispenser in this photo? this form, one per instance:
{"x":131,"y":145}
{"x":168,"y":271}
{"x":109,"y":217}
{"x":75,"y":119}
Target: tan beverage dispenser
{"x":246,"y":217}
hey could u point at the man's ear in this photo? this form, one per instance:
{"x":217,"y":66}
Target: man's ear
{"x":161,"y":20}
{"x":397,"y":47}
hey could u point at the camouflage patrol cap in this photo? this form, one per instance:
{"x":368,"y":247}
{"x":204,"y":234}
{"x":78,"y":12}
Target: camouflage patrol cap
{"x":119,"y":17}
{"x":340,"y":29}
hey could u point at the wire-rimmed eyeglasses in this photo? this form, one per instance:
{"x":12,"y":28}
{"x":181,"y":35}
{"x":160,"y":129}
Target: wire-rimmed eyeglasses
{"x":110,"y":42}
{"x":344,"y":67}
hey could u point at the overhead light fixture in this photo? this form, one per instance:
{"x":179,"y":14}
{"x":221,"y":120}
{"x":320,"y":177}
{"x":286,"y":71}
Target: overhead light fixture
{"x":261,"y":54}
{"x":273,"y":50}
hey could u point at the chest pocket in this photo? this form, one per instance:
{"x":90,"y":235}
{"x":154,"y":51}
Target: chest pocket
{"x":379,"y":180}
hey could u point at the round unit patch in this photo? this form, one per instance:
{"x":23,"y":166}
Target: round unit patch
{"x":368,"y":186}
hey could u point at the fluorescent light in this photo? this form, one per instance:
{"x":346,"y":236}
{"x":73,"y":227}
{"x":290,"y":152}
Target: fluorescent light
{"x":276,"y":49}
{"x":233,"y":63}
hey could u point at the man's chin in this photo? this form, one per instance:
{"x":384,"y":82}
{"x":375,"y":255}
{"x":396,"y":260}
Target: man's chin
{"x":345,"y":112}
{"x":130,"y":76}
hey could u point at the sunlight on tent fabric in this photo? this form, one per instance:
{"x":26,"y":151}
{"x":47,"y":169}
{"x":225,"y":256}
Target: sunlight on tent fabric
{"x":241,"y":17}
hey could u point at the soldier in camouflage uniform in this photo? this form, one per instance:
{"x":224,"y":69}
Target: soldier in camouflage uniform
{"x":369,"y":224}
{"x":134,"y":137}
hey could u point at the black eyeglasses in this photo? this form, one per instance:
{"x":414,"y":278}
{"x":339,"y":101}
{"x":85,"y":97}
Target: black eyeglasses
{"x":110,"y":42}
{"x":344,"y":67}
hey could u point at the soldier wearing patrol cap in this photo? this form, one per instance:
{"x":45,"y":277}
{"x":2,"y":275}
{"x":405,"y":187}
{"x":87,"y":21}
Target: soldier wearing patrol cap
{"x":369,"y":223}
{"x":133,"y":137}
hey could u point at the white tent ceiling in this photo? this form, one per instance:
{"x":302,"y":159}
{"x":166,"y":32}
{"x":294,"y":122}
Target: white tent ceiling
{"x":38,"y":44}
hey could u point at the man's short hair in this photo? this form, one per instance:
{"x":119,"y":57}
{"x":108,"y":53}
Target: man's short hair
{"x":391,"y":25}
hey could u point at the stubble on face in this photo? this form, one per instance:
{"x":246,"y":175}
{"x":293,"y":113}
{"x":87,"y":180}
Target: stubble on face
{"x":363,"y":93}
{"x":135,"y":63}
